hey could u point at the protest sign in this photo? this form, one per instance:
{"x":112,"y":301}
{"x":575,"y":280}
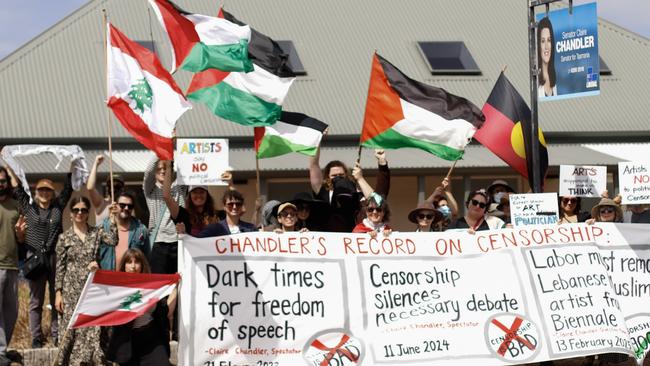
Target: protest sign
{"x":582,"y":180}
{"x":201,"y":161}
{"x":533,"y":209}
{"x":567,"y":53}
{"x":634,"y":182}
{"x":505,"y":296}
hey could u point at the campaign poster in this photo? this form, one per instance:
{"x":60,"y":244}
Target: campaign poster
{"x":567,"y":53}
{"x":634,"y":182}
{"x":201,"y":161}
{"x":533,"y":209}
{"x":582,"y":180}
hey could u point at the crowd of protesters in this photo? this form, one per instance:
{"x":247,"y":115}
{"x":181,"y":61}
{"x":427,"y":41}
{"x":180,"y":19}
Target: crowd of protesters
{"x":341,"y":200}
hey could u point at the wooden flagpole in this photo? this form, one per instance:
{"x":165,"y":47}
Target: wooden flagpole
{"x":257,"y":176}
{"x":451,"y":169}
{"x":108,"y":112}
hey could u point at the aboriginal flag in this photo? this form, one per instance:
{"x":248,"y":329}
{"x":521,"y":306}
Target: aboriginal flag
{"x":506,"y":117}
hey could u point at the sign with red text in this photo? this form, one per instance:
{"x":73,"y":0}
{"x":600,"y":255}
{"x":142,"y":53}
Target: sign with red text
{"x":512,"y":296}
{"x":201,"y":161}
{"x":634,"y":182}
{"x":582,"y":180}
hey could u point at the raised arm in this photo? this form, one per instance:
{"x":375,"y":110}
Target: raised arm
{"x":19,"y":192}
{"x":383,"y":174}
{"x":315,"y":172}
{"x":172,"y":205}
{"x":149,"y":179}
{"x":95,"y":197}
{"x":451,"y":201}
{"x":366,"y":189}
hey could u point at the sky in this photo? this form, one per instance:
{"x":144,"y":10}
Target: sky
{"x":22,"y":20}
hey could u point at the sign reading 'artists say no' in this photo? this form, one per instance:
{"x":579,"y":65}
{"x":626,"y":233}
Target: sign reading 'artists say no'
{"x":508,"y":296}
{"x":634,"y":180}
{"x":201,"y":161}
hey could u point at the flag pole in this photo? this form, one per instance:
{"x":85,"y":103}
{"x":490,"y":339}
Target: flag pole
{"x":359,"y":154}
{"x":108,"y":113}
{"x":257,"y":176}
{"x":451,"y":169}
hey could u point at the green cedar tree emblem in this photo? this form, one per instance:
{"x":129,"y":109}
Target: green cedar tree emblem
{"x":130,"y":300}
{"x":142,"y":95}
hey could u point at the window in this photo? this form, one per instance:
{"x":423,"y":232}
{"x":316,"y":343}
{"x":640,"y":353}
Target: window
{"x":448,"y":58}
{"x":294,"y":60}
{"x":604,"y":69}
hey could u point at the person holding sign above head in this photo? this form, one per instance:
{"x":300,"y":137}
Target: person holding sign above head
{"x":426,"y":217}
{"x":569,"y":210}
{"x":546,"y":59}
{"x":476,"y":219}
{"x":377,"y":217}
{"x":288,"y":218}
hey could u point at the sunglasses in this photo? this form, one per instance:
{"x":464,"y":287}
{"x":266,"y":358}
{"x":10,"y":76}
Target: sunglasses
{"x":423,"y":216}
{"x":287,"y":214}
{"x":478,"y":203}
{"x":375,"y":209}
{"x":234,"y":204}
{"x":77,"y":210}
{"x":126,"y":206}
{"x":607,"y":210}
{"x":569,"y":200}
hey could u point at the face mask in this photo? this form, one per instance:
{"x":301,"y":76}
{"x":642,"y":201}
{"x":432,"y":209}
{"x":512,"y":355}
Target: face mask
{"x":445,"y":211}
{"x":497,"y":197}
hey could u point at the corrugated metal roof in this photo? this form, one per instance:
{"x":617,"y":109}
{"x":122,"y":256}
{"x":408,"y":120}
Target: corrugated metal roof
{"x":53,"y":87}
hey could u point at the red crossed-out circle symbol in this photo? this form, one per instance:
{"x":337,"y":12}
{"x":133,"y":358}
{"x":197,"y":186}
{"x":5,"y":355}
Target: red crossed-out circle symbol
{"x":334,"y":350}
{"x":511,"y":335}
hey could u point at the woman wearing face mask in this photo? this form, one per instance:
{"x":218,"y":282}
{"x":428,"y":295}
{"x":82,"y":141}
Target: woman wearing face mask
{"x":145,"y":340}
{"x":497,"y":190}
{"x":476,"y":219}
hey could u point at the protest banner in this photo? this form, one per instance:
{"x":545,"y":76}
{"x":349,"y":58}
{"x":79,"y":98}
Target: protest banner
{"x":567,"y":48}
{"x":505,"y":296}
{"x":582,"y":180}
{"x":634,"y":182}
{"x":533,"y":209}
{"x":201,"y":161}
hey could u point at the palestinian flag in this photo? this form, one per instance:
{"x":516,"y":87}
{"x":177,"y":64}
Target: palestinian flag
{"x":201,"y":42}
{"x":402,"y":112}
{"x":251,"y":99}
{"x":114,"y":298}
{"x":506,"y":117}
{"x":294,"y":132}
{"x":142,"y":94}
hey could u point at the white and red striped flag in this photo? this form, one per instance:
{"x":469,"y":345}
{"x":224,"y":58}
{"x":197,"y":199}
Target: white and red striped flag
{"x":114,"y":298}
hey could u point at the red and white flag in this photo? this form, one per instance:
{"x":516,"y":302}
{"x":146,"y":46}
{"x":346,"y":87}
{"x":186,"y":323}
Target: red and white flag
{"x":142,"y":94}
{"x":114,"y":298}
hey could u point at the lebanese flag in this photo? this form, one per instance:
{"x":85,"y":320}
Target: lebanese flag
{"x":402,"y":112}
{"x":201,"y":42}
{"x":294,"y":132}
{"x":506,"y":117}
{"x":114,"y":298}
{"x":142,"y":94}
{"x":250,"y":99}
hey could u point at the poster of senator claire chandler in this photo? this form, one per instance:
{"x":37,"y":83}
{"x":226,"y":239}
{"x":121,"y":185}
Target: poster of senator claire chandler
{"x":509,"y":296}
{"x":567,"y":53}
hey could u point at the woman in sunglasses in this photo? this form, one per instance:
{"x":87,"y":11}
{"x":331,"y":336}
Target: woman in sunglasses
{"x":475,"y":218}
{"x":287,"y":215}
{"x":377,"y":217}
{"x":607,"y":210}
{"x":76,"y":254}
{"x":570,"y":210}
{"x":426,"y":217}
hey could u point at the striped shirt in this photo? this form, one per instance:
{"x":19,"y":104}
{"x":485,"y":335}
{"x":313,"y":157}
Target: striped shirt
{"x":44,"y":224}
{"x":156,"y":204}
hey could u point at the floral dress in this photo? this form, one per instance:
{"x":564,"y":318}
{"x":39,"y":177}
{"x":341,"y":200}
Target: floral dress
{"x":83,"y":345}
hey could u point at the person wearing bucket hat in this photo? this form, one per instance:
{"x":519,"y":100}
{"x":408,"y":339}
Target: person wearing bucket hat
{"x":287,"y":215}
{"x":425,"y":216}
{"x":607,"y":210}
{"x":496,"y":191}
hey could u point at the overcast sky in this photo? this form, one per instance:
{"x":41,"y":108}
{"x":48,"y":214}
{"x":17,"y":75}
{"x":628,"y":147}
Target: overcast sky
{"x":22,"y":20}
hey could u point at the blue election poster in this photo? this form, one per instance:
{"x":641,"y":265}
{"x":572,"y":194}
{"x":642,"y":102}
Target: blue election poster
{"x":567,"y":53}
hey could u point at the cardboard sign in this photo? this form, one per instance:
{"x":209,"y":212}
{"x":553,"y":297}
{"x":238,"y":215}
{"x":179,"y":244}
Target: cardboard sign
{"x":582,"y":180}
{"x":201,"y":161}
{"x":567,"y":47}
{"x":511,"y":296}
{"x":634,"y":182}
{"x":533,"y":209}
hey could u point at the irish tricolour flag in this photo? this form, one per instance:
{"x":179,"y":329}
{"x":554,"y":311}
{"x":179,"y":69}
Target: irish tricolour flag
{"x":114,"y":298}
{"x":293,"y":132}
{"x":142,"y":94}
{"x":402,"y":112}
{"x":201,"y":42}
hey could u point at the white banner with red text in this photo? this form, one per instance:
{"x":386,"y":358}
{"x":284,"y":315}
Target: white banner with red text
{"x":330,"y":299}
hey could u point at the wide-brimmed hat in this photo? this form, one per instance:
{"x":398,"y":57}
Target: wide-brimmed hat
{"x":268,"y":212}
{"x":500,"y":182}
{"x":45,"y":183}
{"x":307,"y":198}
{"x":607,"y":202}
{"x":343,"y":187}
{"x":424,"y":206}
